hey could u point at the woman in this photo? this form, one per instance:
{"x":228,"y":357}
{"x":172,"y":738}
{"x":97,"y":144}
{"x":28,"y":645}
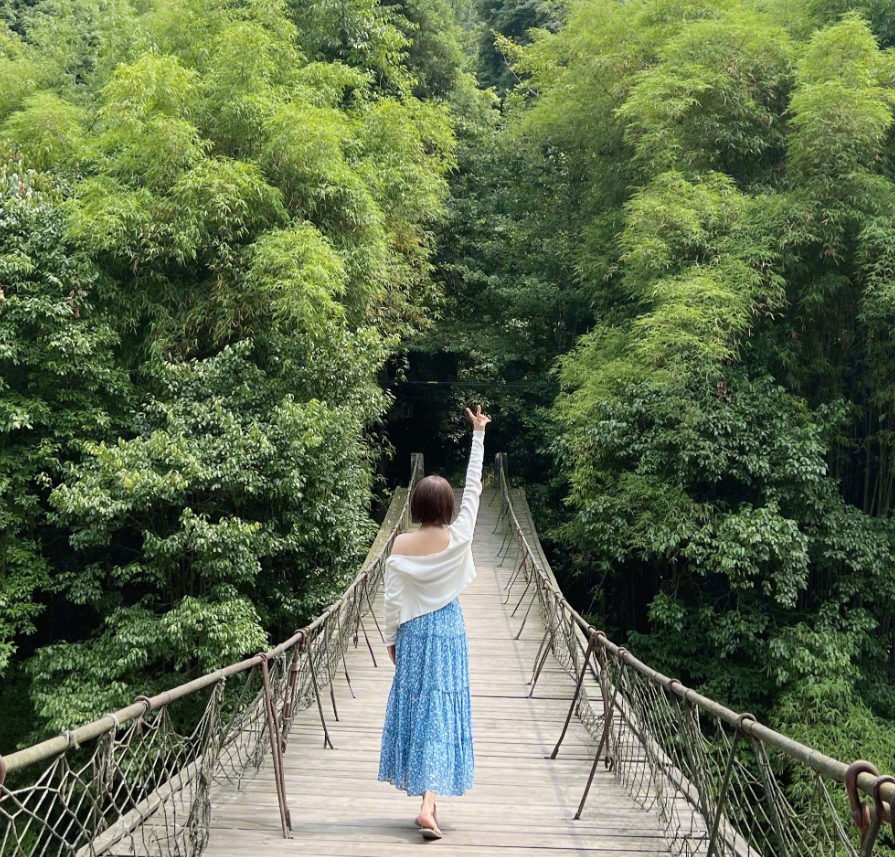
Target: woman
{"x":427,"y":738}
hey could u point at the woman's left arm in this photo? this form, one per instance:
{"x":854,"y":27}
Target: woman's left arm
{"x":391,"y":609}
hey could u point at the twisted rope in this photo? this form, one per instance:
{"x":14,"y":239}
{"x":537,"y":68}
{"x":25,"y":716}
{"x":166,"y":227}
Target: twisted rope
{"x":681,"y":754}
{"x":131,"y":783}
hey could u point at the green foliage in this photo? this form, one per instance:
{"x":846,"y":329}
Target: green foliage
{"x":511,"y":301}
{"x":47,"y":128}
{"x":668,"y":255}
{"x":509,"y":21}
{"x":714,"y":98}
{"x":360,"y":33}
{"x":18,"y":74}
{"x":878,"y":13}
{"x":723,"y":430}
{"x":60,"y":387}
{"x":217,"y":506}
{"x":720,"y":499}
{"x":236,"y":230}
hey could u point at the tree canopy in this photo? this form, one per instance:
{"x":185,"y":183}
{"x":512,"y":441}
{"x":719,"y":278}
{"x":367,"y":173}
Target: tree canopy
{"x":653,"y":237}
{"x":213,"y":236}
{"x":722,"y":437}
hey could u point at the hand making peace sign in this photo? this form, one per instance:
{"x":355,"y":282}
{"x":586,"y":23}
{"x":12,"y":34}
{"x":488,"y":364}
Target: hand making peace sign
{"x":479,"y":420}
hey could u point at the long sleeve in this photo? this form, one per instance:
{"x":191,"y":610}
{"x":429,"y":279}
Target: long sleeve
{"x":472,"y":490}
{"x":391,"y":609}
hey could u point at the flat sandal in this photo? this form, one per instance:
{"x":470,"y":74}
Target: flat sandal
{"x":431,"y":833}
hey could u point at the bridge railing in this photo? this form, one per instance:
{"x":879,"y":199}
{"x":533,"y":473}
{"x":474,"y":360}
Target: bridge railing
{"x":140,"y":781}
{"x":720,"y":781}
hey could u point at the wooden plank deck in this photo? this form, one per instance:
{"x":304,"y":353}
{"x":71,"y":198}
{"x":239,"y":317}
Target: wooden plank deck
{"x":522,"y":804}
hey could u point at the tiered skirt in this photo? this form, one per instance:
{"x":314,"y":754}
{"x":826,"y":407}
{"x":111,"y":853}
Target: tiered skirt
{"x":427,"y":737}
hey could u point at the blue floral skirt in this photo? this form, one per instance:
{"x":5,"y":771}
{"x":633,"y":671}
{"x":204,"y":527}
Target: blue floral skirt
{"x":427,"y":738}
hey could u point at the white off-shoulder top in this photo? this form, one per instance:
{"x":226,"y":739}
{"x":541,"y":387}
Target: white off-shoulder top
{"x":416,"y":585}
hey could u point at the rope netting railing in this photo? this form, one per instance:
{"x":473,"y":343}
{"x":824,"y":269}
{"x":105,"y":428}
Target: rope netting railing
{"x":720,"y":782}
{"x":141,"y":781}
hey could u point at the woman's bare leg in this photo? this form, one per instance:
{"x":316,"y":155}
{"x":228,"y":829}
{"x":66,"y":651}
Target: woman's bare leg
{"x":427,"y":818}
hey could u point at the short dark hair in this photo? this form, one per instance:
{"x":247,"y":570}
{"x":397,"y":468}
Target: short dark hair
{"x":432,"y":501}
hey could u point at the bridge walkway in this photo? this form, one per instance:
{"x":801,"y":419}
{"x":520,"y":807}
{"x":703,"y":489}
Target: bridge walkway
{"x":522,"y":804}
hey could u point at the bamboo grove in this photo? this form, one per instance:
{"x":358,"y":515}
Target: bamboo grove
{"x":654,"y":237}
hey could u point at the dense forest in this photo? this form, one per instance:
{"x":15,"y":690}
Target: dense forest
{"x":654,"y":238}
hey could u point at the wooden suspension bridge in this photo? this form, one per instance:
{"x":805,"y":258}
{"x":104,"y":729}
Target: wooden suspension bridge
{"x":521,"y":799}
{"x":580,"y":747}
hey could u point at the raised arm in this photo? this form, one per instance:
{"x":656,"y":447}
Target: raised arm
{"x":472,"y":490}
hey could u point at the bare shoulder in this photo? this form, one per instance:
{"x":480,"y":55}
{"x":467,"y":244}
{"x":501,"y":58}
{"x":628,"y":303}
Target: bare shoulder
{"x":402,"y":543}
{"x":424,"y":542}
